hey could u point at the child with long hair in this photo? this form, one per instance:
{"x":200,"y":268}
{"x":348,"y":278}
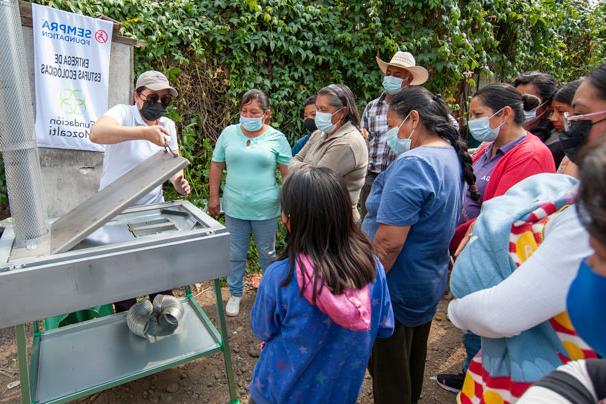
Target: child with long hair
{"x":320,"y":307}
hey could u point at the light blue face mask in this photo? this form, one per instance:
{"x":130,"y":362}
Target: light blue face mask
{"x":392,"y":84}
{"x":397,"y":145}
{"x":480,"y":128}
{"x":530,"y":115}
{"x":323,"y":121}
{"x":587,"y":289}
{"x":251,"y":124}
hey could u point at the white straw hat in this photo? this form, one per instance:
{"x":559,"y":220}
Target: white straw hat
{"x":405,"y":60}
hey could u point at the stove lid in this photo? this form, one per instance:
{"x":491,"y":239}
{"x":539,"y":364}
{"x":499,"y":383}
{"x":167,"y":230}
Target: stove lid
{"x":93,"y":213}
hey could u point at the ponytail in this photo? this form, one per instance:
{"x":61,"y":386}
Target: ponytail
{"x":436,"y":117}
{"x":451,"y":134}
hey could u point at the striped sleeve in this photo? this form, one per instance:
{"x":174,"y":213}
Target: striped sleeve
{"x":577,"y":382}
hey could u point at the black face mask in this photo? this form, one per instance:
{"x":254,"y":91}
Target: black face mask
{"x":573,"y":139}
{"x":310,"y":125}
{"x":152,"y":111}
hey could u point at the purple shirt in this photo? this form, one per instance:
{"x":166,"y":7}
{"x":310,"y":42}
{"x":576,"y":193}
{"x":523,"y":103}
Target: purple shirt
{"x":482,"y":168}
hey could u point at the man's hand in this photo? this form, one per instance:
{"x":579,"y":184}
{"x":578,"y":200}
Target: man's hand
{"x":214,"y":207}
{"x":181,"y":185}
{"x":365,"y":134}
{"x":156,"y":134}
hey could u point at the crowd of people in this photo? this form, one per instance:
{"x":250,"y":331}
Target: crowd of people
{"x":382,"y":210}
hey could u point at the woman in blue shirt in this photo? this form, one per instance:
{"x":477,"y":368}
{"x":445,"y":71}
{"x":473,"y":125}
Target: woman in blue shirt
{"x":413,"y":209}
{"x":250,"y":152}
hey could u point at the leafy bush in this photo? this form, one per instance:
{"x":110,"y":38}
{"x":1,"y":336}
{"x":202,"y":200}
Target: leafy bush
{"x":215,"y":50}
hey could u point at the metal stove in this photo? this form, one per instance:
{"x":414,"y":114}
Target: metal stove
{"x":103,"y":253}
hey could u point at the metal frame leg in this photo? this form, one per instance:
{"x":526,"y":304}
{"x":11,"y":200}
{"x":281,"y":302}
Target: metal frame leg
{"x":23,"y":367}
{"x":231,"y":381}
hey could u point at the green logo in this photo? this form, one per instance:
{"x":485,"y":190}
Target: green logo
{"x":71,"y":102}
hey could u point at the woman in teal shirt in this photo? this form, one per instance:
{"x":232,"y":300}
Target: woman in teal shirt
{"x":250,"y":151}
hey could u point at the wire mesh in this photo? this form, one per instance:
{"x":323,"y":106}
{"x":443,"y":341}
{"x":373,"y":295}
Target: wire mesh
{"x":28,"y":211}
{"x":17,"y":137}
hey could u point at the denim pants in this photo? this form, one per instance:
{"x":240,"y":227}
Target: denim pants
{"x":264,"y":232}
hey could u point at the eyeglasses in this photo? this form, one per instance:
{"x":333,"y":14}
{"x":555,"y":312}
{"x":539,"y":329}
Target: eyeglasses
{"x":166,"y":99}
{"x":568,"y":119}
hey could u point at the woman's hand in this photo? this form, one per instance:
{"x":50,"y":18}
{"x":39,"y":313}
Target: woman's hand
{"x":214,"y":206}
{"x":216,"y":171}
{"x":465,"y":240}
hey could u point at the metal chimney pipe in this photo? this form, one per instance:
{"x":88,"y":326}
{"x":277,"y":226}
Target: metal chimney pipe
{"x":18,"y":139}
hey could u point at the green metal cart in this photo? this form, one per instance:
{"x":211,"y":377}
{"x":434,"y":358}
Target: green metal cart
{"x":78,"y":360}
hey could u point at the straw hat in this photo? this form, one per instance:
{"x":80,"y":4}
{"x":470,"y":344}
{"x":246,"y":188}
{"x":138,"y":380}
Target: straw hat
{"x":405,"y":60}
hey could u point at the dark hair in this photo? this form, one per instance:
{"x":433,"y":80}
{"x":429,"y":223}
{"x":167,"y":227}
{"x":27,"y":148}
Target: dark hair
{"x":591,"y":198}
{"x":310,"y":101}
{"x":342,"y":97}
{"x":565,"y":94}
{"x":545,"y":83}
{"x":322,"y":227}
{"x":501,"y":95}
{"x":436,"y":118}
{"x":255,"y":95}
{"x":597,"y":78}
{"x":139,"y":91}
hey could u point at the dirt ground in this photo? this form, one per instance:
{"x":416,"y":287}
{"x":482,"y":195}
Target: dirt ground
{"x":203,"y":380}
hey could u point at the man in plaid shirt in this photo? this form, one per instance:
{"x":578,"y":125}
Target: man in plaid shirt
{"x":399,"y":73}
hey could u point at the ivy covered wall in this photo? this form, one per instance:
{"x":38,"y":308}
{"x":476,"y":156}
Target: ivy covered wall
{"x":215,"y":50}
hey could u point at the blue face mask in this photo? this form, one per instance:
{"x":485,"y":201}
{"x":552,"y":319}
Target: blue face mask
{"x":530,"y":115}
{"x":251,"y":124}
{"x":584,"y":309}
{"x":397,"y":145}
{"x":392,"y":85}
{"x":323,"y":121}
{"x":481,"y":131}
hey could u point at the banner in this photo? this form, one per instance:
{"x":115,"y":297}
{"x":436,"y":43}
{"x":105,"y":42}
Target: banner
{"x":71,"y":63}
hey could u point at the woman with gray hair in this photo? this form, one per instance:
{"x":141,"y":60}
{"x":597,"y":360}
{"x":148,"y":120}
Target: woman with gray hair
{"x":338,"y":143}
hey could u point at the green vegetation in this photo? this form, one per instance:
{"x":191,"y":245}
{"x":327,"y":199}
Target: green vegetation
{"x":215,"y":50}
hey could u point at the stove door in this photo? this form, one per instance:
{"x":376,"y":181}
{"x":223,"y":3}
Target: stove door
{"x":77,"y":224}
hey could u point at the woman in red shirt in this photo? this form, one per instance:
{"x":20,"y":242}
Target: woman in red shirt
{"x":508,"y":154}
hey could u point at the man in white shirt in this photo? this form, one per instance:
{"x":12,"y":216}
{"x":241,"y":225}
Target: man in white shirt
{"x":133,"y":133}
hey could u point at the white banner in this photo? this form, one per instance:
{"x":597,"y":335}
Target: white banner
{"x":71,"y":59}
